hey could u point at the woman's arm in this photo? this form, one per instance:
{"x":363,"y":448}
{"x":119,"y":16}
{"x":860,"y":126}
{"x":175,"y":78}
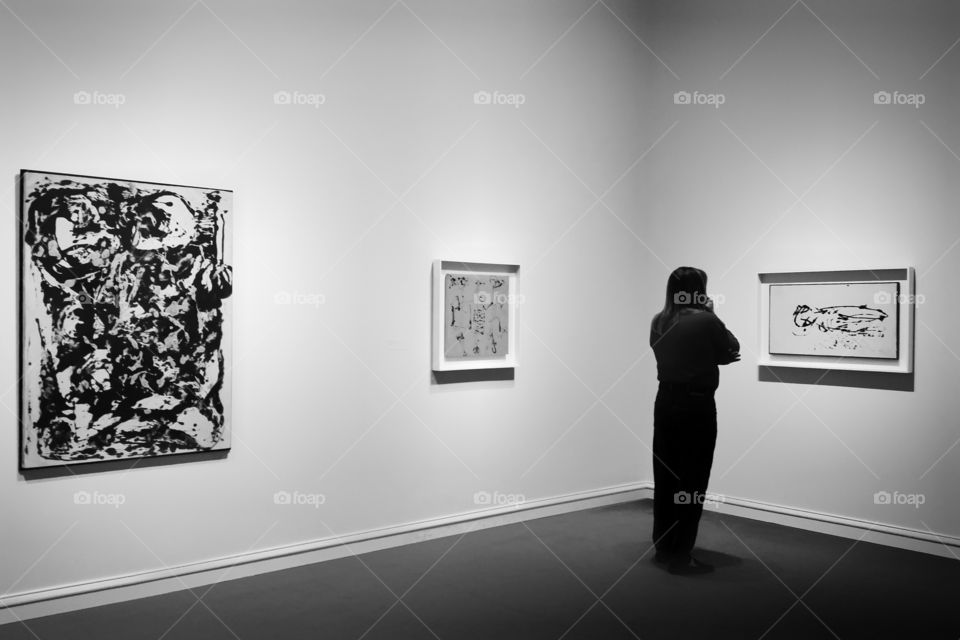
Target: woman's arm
{"x":726,"y":345}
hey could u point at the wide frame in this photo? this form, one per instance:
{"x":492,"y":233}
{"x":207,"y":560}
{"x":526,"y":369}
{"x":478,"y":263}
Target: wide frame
{"x":443,"y":268}
{"x":212,"y":231}
{"x":902,"y":278}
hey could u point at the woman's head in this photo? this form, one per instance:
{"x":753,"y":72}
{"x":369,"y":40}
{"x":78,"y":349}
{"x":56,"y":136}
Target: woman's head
{"x":686,"y":289}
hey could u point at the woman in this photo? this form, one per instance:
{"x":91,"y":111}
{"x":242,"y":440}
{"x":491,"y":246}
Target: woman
{"x":689,"y":341}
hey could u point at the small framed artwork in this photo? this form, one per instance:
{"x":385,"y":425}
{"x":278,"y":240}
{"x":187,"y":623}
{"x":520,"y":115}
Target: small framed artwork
{"x":125,"y":290}
{"x":853,"y":320}
{"x":474,"y":315}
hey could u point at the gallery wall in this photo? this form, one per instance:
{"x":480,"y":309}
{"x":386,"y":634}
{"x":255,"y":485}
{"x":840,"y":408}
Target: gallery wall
{"x":796,"y":168}
{"x":373,"y":160}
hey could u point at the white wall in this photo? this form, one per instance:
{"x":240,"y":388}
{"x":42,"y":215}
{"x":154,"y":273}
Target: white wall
{"x":337,"y":399}
{"x":879,"y":190}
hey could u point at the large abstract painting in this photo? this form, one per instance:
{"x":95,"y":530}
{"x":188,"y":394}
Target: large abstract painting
{"x":125,"y":299}
{"x":835,"y":319}
{"x":474,"y":315}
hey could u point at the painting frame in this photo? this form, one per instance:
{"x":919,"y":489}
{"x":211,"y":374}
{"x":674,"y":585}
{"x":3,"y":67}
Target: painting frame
{"x":213,"y":225}
{"x":883,"y":281}
{"x":442,"y":360}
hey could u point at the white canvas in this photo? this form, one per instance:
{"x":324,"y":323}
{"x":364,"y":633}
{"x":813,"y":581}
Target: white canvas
{"x":835,"y":319}
{"x":125,"y":301}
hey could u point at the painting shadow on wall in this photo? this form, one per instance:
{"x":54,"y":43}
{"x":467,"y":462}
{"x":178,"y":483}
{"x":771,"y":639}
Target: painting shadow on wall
{"x":838,"y":378}
{"x":106,"y":466}
{"x":473,"y":375}
{"x":18,"y":287}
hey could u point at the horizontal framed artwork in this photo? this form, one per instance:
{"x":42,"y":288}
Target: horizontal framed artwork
{"x":858,"y":320}
{"x":474,"y":315}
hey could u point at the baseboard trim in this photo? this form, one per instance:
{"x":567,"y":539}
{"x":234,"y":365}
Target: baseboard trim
{"x":843,"y":526}
{"x":62,"y":599}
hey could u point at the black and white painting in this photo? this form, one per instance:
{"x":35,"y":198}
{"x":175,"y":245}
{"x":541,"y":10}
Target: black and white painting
{"x":474,"y":315}
{"x":476,"y":321}
{"x":125,"y":334}
{"x":835,"y":319}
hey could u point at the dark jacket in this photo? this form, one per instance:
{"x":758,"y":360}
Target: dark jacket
{"x":689,"y":351}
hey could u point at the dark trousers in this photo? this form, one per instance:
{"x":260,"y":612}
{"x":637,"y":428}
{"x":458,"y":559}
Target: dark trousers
{"x":684,"y":436}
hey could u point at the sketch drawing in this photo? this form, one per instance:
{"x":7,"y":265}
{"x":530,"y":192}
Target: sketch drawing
{"x":835,"y":319}
{"x":861,"y":320}
{"x":476,"y":316}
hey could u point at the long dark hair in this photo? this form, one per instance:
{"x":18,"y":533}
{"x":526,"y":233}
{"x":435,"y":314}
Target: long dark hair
{"x":686,"y":289}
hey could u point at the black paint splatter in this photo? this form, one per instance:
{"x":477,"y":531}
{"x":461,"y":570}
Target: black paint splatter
{"x":855,"y":320}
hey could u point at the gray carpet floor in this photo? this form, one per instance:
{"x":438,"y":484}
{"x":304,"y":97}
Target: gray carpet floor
{"x":587,"y":574}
